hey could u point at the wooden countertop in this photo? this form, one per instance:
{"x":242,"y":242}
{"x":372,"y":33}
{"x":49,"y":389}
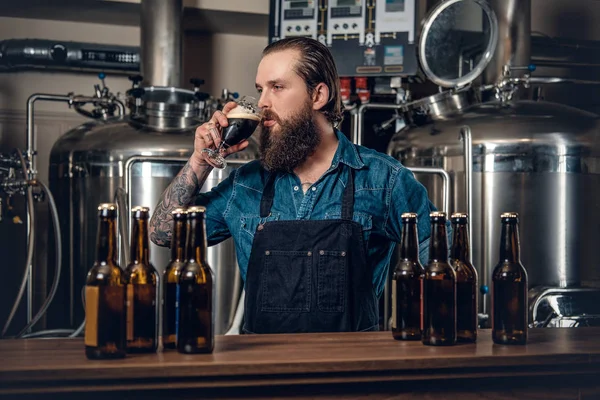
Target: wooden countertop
{"x":60,"y":365}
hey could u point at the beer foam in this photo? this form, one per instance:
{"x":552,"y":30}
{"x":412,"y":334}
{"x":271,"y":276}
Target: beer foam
{"x":242,"y":113}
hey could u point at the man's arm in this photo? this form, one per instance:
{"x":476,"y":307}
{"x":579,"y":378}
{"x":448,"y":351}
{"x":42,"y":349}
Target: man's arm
{"x":179,"y":193}
{"x":184,"y":187}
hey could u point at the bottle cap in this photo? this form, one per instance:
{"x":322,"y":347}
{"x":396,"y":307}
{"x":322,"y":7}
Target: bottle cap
{"x":409,"y":215}
{"x":437,"y":214}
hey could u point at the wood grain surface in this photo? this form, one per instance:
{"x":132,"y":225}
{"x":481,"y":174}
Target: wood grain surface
{"x":555,"y":364}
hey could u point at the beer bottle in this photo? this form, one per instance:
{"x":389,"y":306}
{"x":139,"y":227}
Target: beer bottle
{"x":509,"y":287}
{"x":466,"y":280}
{"x":171,"y":278}
{"x":141,"y":279}
{"x":439,"y":288}
{"x":406,"y":284}
{"x":105,"y":293}
{"x":195,"y":326}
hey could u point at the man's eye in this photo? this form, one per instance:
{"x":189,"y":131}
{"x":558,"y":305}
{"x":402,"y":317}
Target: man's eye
{"x":277,"y":87}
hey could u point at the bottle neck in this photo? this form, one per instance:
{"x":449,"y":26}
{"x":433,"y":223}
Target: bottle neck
{"x":438,"y":247}
{"x":139,"y":252}
{"x":409,"y":242}
{"x":509,"y":243}
{"x":197,"y":241}
{"x":106,"y":240}
{"x":178,"y":241}
{"x":460,"y":243}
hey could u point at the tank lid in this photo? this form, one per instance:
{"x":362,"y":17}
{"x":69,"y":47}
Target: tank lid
{"x":457,"y":42}
{"x":170,"y":101}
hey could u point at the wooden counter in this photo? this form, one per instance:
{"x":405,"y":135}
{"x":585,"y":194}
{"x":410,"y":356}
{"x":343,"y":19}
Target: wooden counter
{"x":556,"y":364}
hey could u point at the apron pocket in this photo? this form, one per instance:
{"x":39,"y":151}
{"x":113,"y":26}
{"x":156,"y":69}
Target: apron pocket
{"x":286,"y":281}
{"x":332,"y":280}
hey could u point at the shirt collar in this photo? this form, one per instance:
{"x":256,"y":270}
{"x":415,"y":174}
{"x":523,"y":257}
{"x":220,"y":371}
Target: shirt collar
{"x":346,"y":153}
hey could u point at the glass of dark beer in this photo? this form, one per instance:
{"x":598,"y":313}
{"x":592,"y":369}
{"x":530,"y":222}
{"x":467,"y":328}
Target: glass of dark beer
{"x":243,"y":121}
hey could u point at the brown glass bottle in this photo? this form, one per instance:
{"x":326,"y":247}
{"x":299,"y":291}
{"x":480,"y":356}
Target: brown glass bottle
{"x":195,"y":322}
{"x":141,"y":279}
{"x":171,"y":278}
{"x":509,"y":287}
{"x":466,"y":280}
{"x":439,"y":288}
{"x":105,"y":293}
{"x":406,"y":284}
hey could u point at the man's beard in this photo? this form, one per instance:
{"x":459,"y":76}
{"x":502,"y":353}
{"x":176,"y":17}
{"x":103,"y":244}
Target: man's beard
{"x":296,"y":140}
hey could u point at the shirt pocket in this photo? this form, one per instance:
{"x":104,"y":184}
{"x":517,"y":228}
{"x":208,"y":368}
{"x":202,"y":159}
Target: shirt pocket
{"x":365,"y":220}
{"x":249,"y":223}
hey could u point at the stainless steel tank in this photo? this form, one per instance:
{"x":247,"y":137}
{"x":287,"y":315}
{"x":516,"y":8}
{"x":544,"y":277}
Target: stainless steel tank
{"x":137,"y":156}
{"x":539,"y":159}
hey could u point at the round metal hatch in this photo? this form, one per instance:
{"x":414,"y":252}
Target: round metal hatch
{"x":457,"y":41}
{"x":170,"y":102}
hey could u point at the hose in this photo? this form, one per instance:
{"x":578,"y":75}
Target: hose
{"x":58,"y":242}
{"x":30,"y":245}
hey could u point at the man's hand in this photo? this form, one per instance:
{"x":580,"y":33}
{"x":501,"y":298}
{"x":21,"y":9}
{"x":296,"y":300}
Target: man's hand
{"x":208,"y":136}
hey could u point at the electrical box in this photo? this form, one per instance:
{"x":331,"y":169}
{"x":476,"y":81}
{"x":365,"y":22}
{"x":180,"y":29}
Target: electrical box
{"x":366,"y":37}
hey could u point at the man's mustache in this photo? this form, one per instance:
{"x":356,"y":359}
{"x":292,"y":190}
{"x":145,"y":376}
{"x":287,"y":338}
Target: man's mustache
{"x":270,"y":115}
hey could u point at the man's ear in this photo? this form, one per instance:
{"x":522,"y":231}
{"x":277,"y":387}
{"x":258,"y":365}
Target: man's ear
{"x":320,"y":96}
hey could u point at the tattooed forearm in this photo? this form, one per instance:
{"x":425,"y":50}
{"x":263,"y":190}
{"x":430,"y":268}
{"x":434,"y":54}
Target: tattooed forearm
{"x":180,"y":193}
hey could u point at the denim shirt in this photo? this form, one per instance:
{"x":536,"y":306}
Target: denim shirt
{"x":384,"y":189}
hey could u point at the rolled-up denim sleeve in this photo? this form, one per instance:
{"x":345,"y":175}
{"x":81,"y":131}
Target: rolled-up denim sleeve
{"x":217,"y":202}
{"x":409,"y":195}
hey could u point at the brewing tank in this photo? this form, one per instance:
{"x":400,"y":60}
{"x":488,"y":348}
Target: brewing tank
{"x":132,"y":158}
{"x":539,"y":159}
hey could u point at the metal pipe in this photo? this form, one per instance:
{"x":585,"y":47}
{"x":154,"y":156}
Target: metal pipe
{"x":357,"y":121}
{"x":465,"y":137}
{"x":534,"y":306}
{"x":161,"y":42}
{"x":445,"y":183}
{"x":514,"y":38}
{"x":31,"y":138}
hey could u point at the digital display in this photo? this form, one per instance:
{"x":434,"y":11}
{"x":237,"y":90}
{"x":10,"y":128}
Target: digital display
{"x":299,"y":4}
{"x":348,"y":3}
{"x":394,"y":5}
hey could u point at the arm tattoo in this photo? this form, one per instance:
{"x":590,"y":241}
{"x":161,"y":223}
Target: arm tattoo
{"x":180,"y":193}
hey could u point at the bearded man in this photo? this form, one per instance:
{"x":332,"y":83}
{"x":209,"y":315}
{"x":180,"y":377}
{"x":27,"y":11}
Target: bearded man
{"x":316,"y":219}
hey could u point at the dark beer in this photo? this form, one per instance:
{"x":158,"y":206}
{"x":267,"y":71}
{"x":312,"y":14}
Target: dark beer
{"x":466,"y":280}
{"x":406,"y":284}
{"x":171,"y":278}
{"x":241,"y":126}
{"x":105,"y":293}
{"x":509,"y":287}
{"x":439,"y":288}
{"x":195,"y":326}
{"x":142,"y":280}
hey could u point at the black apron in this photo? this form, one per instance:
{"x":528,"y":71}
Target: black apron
{"x":309,"y":276}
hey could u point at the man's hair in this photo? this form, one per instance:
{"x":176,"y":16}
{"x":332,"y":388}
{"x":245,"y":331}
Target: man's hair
{"x":316,"y":65}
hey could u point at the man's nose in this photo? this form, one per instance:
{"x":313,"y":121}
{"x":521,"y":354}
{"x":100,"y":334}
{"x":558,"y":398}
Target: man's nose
{"x":263,"y":101}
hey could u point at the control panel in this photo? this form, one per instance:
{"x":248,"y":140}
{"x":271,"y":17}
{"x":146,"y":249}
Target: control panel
{"x":299,"y":18}
{"x":346,"y":20}
{"x":365,"y":37}
{"x":394,"y":16}
{"x":17,"y":54}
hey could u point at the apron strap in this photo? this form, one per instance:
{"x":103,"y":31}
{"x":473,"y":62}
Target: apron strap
{"x":348,"y":197}
{"x":268,"y":195}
